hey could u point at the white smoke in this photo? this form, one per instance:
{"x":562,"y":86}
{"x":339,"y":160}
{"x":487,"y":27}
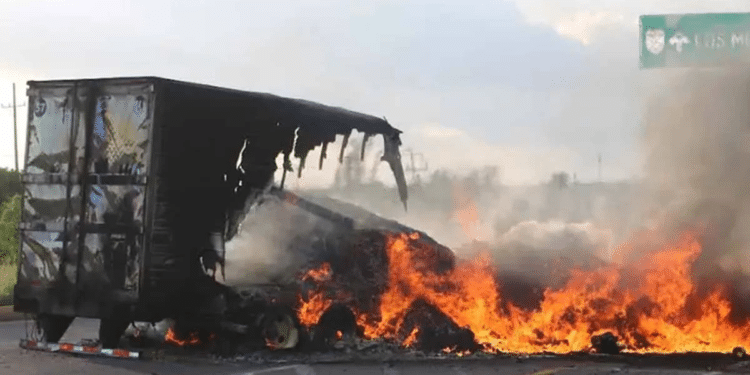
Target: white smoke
{"x":557,"y":238}
{"x":263,"y":251}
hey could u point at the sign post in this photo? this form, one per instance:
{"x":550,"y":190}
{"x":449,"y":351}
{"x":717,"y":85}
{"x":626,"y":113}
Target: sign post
{"x":694,"y":40}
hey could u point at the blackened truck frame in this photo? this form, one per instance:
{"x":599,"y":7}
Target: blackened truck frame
{"x":131,"y":190}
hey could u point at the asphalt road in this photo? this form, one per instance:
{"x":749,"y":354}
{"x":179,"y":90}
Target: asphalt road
{"x":14,"y":360}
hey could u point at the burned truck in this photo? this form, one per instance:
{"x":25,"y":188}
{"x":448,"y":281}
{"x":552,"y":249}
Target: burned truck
{"x":134,"y":185}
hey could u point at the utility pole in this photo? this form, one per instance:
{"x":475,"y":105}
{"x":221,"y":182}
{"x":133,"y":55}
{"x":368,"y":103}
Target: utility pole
{"x":413,"y":167}
{"x":15,"y":125}
{"x":599,"y":159}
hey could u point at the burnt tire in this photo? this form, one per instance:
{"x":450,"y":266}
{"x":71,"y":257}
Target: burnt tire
{"x":54,"y":326}
{"x":280,"y":329}
{"x":336,"y":323}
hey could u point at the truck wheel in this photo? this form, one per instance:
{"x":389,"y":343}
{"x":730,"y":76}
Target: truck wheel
{"x":280,"y":330}
{"x":54,"y":326}
{"x":110,"y":331}
{"x":336,"y":323}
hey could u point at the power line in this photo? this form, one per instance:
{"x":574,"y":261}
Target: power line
{"x":15,"y":124}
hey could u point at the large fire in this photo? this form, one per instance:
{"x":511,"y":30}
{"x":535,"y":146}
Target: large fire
{"x":651,"y":308}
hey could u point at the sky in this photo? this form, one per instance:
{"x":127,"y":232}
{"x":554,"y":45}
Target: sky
{"x":530,"y":86}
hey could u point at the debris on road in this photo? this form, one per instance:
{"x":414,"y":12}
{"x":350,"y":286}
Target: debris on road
{"x":606,"y":343}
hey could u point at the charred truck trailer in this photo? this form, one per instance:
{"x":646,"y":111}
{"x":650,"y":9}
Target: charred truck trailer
{"x":132,"y":187}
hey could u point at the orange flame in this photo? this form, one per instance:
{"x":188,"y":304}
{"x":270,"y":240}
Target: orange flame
{"x":320,"y":274}
{"x":310,"y":311}
{"x":409,"y":341}
{"x":647,"y":309}
{"x":171,"y":338}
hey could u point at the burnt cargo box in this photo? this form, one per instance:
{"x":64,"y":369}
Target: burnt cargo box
{"x":130,"y":181}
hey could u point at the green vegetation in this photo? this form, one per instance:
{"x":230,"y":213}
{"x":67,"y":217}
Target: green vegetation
{"x":10,"y":184}
{"x":7,"y":281}
{"x":10,"y":214}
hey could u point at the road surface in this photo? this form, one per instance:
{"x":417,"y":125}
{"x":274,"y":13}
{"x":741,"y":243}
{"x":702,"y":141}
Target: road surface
{"x":14,"y":360}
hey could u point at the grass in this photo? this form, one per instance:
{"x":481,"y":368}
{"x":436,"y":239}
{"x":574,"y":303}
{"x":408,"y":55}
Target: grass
{"x":7,"y":281}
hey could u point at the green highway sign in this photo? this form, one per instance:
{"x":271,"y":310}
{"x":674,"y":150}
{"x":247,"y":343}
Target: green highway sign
{"x":683,"y":40}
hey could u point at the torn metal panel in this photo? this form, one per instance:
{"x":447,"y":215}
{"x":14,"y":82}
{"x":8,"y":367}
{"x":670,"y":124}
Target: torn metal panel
{"x":286,"y":167}
{"x":307,"y":139}
{"x":392,"y":155}
{"x":364,"y":144}
{"x":343,"y":147}
{"x":301,"y":166}
{"x":323,"y":151}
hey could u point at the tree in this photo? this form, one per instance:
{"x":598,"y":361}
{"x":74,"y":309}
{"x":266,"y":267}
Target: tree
{"x":10,"y":215}
{"x":10,"y":184}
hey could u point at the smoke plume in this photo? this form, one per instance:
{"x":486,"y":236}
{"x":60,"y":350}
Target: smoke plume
{"x":697,"y":144}
{"x":272,"y":244}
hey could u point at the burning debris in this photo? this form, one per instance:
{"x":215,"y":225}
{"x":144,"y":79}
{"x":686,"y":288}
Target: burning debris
{"x":374,"y":285}
{"x":428,"y":329}
{"x":605,"y":343}
{"x":653,"y":307}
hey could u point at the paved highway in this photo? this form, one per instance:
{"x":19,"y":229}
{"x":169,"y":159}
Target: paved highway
{"x":14,"y":360}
